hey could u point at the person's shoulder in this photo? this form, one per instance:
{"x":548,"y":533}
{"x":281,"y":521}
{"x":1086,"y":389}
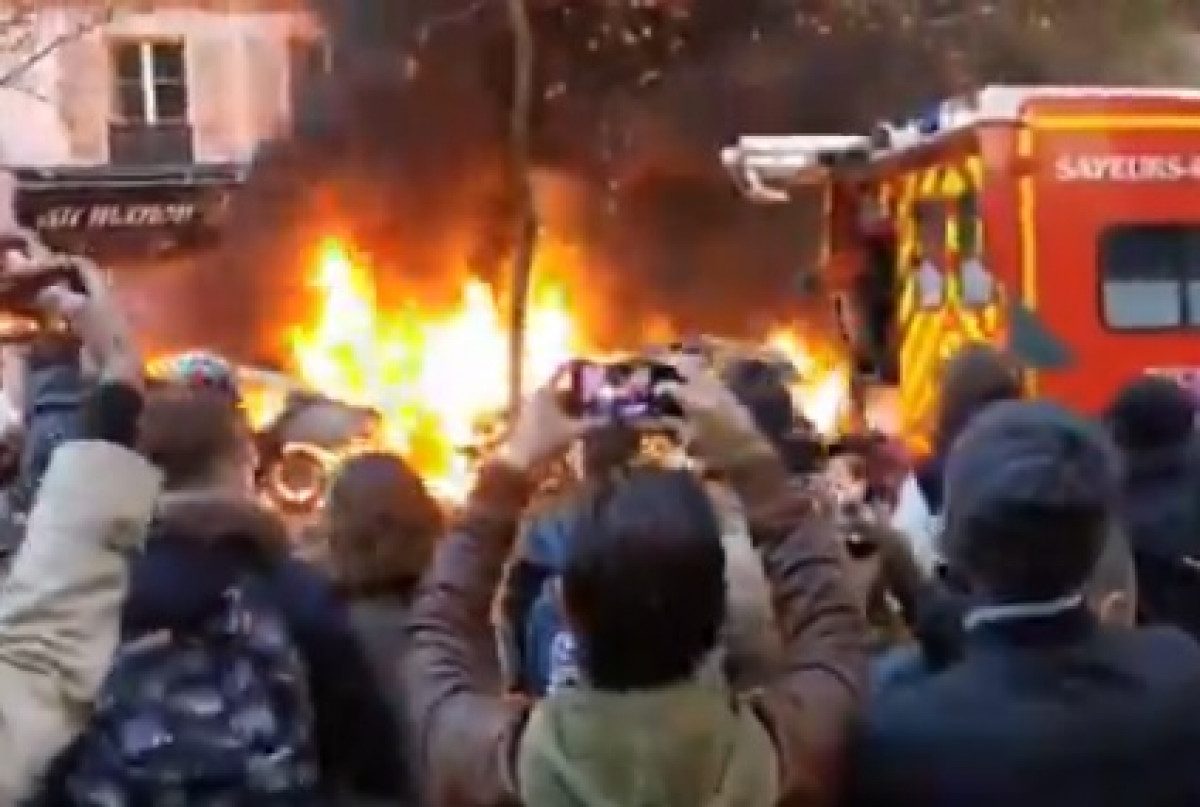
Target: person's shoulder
{"x":1159,"y":645}
{"x":306,"y":595}
{"x":916,"y":705}
{"x":297,"y":579}
{"x":950,"y":694}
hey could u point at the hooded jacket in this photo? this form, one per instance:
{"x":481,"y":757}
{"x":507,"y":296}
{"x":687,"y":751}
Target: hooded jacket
{"x":205,"y":541}
{"x":1160,"y":511}
{"x":469,"y":736}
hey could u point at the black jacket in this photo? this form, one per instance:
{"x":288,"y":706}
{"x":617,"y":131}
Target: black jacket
{"x":1057,"y":712}
{"x":1161,"y":515}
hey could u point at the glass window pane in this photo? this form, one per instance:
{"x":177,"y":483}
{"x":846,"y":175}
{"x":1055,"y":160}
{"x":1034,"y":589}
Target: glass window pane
{"x":1193,"y":302}
{"x":171,"y":100}
{"x":130,"y":101}
{"x":127,"y":61}
{"x":1142,"y":277}
{"x":168,"y":61}
{"x":1136,"y":304}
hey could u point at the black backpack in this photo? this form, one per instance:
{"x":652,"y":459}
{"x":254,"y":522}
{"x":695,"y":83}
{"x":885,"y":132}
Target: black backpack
{"x":219,"y":717}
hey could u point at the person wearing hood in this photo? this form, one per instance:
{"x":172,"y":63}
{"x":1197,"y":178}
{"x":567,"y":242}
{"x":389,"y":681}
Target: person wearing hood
{"x":211,"y":538}
{"x":1153,"y":421}
{"x":650,"y":722}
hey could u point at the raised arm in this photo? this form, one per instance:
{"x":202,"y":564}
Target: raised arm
{"x":464,"y":728}
{"x":60,"y":605}
{"x":810,"y":705}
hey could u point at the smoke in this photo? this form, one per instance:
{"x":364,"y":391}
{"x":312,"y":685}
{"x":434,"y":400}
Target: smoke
{"x":401,"y":146}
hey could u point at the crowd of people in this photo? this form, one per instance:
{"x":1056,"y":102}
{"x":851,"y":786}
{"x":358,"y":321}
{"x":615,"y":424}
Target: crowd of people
{"x":749,"y":620}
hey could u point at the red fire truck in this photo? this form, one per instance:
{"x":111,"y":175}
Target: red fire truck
{"x":1063,"y":223}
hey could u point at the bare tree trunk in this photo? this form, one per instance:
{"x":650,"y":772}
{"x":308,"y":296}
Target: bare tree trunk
{"x":526,"y":222}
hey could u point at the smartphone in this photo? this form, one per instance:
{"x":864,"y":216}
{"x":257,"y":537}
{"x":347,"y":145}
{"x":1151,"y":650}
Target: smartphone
{"x":20,"y":317}
{"x":622,"y":391}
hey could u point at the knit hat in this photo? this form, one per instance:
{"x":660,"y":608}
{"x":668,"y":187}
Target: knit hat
{"x":1152,"y":412}
{"x":198,"y":370}
{"x":1029,"y":453}
{"x":1023,"y":484}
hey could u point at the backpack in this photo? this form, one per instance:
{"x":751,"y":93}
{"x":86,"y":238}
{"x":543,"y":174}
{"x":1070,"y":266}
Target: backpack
{"x":216,"y":717}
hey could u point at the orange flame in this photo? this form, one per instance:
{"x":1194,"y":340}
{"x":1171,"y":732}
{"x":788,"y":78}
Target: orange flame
{"x":433,"y":377}
{"x":822,"y":391}
{"x":436,"y":377}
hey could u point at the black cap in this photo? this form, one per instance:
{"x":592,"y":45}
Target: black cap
{"x":1037,"y":454}
{"x":1152,"y":412}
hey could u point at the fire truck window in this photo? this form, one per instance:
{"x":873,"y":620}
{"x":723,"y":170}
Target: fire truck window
{"x":1191,"y":274}
{"x":1151,"y":277}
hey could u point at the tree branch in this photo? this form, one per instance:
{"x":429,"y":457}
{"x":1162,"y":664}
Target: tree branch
{"x":81,"y":30}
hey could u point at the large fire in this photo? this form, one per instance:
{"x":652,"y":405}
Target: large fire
{"x":437,"y":376}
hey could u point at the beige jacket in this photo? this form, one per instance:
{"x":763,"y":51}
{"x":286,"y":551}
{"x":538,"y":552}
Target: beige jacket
{"x":60,"y":605}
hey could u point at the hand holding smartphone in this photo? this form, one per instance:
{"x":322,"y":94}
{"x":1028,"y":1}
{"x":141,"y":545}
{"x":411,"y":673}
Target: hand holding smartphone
{"x":28,"y":271}
{"x":628,"y":392}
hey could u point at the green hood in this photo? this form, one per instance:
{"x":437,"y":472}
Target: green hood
{"x":689,"y":745}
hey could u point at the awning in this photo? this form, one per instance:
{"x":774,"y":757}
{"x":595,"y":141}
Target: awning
{"x":109,"y":210}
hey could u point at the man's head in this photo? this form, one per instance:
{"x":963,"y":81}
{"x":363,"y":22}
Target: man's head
{"x":198,"y":437}
{"x":975,"y":377}
{"x":644,"y":583}
{"x":759,"y":387}
{"x":1152,"y":413}
{"x":1030,"y":491}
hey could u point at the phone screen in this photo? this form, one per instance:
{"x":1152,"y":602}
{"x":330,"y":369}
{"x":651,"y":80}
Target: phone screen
{"x":625,"y":391}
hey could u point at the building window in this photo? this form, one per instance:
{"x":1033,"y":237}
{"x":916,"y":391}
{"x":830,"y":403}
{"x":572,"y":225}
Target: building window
{"x":1150,"y":276}
{"x":151,"y":82}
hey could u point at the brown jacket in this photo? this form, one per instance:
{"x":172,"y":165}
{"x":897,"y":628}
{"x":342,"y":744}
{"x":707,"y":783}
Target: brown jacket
{"x":467,"y":733}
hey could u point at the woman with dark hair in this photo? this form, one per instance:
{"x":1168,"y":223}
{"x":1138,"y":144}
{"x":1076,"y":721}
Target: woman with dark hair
{"x":380,"y":528}
{"x":381,"y":524}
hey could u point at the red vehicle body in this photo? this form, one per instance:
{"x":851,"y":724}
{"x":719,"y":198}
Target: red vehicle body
{"x":1063,"y":223}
